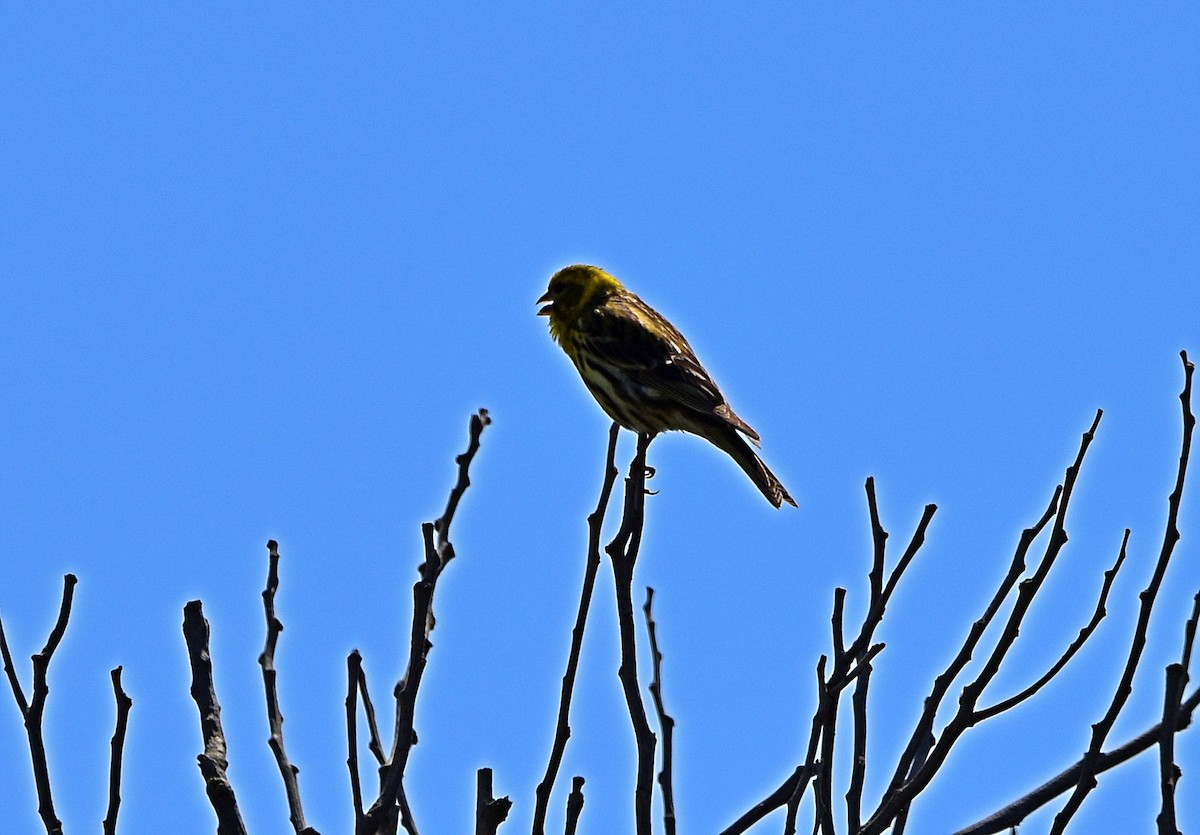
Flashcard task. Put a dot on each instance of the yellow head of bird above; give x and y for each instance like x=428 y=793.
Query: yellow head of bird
x=574 y=289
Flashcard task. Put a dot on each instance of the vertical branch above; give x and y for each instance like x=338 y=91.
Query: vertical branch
x=1177 y=680
x=562 y=729
x=490 y=812
x=574 y=805
x=1169 y=772
x=266 y=660
x=438 y=554
x=124 y=703
x=213 y=761
x=665 y=722
x=353 y=661
x=623 y=551
x=858 y=767
x=1100 y=731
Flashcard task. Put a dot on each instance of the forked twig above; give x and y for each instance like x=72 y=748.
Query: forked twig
x=1086 y=632
x=33 y=710
x=852 y=665
x=924 y=754
x=1015 y=812
x=438 y=552
x=1100 y=731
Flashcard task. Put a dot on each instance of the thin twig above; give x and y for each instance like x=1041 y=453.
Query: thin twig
x=665 y=722
x=10 y=671
x=1087 y=776
x=266 y=660
x=438 y=553
x=1177 y=681
x=124 y=703
x=375 y=743
x=213 y=761
x=623 y=551
x=574 y=805
x=562 y=728
x=1086 y=632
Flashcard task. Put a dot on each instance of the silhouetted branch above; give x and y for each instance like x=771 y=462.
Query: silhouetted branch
x=924 y=754
x=1084 y=633
x=124 y=703
x=213 y=761
x=266 y=660
x=1177 y=680
x=353 y=661
x=851 y=665
x=1087 y=775
x=438 y=553
x=1015 y=812
x=623 y=551
x=562 y=729
x=1169 y=772
x=574 y=803
x=490 y=812
x=33 y=710
x=665 y=722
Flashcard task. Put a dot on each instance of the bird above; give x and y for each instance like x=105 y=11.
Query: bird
x=642 y=371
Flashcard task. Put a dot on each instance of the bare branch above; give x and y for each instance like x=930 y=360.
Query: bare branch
x=10 y=671
x=921 y=759
x=437 y=555
x=562 y=730
x=623 y=551
x=353 y=661
x=1169 y=773
x=574 y=805
x=665 y=722
x=850 y=666
x=375 y=744
x=1087 y=776
x=1189 y=632
x=213 y=761
x=266 y=660
x=1076 y=645
x=124 y=703
x=1015 y=812
x=489 y=811
x=36 y=708
x=858 y=766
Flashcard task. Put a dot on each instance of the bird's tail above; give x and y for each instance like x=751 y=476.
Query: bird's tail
x=728 y=439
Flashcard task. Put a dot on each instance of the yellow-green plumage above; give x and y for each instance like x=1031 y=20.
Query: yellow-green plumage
x=642 y=371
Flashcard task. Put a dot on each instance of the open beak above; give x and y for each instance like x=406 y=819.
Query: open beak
x=545 y=311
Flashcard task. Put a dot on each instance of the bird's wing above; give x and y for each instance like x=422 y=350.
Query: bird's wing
x=642 y=344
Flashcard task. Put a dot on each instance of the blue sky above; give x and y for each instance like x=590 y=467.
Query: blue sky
x=261 y=265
